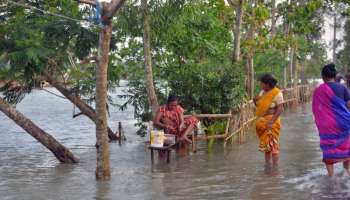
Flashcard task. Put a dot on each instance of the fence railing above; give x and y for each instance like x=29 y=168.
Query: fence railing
x=239 y=120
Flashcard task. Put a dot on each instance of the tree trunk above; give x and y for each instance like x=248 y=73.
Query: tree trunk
x=249 y=59
x=285 y=79
x=251 y=76
x=83 y=107
x=102 y=168
x=152 y=97
x=291 y=64
x=237 y=32
x=334 y=37
x=295 y=69
x=286 y=30
x=302 y=74
x=273 y=18
x=61 y=152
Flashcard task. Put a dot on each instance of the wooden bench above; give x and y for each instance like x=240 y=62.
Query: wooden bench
x=193 y=136
x=166 y=149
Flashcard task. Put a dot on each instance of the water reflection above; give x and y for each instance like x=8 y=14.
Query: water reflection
x=102 y=190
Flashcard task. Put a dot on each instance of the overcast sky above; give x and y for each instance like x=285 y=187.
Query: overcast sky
x=328 y=34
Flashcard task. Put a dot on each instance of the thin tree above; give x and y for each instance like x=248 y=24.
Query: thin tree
x=335 y=25
x=108 y=11
x=273 y=18
x=152 y=97
x=249 y=57
x=237 y=29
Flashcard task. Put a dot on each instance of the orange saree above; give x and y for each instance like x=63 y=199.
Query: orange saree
x=269 y=138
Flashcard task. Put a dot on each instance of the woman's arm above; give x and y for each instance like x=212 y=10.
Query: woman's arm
x=347 y=97
x=256 y=99
x=277 y=114
x=157 y=120
x=182 y=121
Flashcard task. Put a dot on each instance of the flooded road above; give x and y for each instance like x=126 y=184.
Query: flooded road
x=29 y=171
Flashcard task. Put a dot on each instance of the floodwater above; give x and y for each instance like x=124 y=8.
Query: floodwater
x=29 y=171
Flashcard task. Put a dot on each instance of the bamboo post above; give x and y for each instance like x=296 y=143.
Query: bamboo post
x=194 y=148
x=227 y=125
x=120 y=129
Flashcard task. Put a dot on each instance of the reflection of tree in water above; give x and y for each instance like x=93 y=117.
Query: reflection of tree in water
x=102 y=190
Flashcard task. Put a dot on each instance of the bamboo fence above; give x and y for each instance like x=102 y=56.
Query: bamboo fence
x=239 y=120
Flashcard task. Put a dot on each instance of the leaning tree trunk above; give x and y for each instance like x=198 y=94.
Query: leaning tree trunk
x=83 y=107
x=237 y=32
x=61 y=152
x=152 y=97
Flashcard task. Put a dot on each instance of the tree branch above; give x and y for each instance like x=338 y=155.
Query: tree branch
x=87 y=60
x=78 y=114
x=113 y=7
x=89 y=2
x=233 y=4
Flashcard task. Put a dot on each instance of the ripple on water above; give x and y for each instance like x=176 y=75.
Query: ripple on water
x=319 y=185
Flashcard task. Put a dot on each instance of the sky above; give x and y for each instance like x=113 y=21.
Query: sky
x=328 y=34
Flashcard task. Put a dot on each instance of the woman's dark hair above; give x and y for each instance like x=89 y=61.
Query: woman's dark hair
x=338 y=78
x=171 y=98
x=269 y=80
x=329 y=71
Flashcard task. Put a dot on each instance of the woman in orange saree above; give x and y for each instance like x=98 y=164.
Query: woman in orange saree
x=268 y=124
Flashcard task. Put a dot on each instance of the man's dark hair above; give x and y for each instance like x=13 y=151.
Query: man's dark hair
x=172 y=98
x=269 y=80
x=329 y=71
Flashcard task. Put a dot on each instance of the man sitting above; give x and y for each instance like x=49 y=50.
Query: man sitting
x=170 y=118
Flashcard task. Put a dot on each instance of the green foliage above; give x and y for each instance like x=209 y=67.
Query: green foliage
x=191 y=44
x=191 y=57
x=34 y=42
x=216 y=128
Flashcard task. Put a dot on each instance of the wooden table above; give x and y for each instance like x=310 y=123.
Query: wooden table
x=166 y=149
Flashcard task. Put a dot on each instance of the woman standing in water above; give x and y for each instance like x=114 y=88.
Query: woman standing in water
x=268 y=124
x=330 y=106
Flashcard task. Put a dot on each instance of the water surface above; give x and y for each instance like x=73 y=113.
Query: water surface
x=29 y=171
